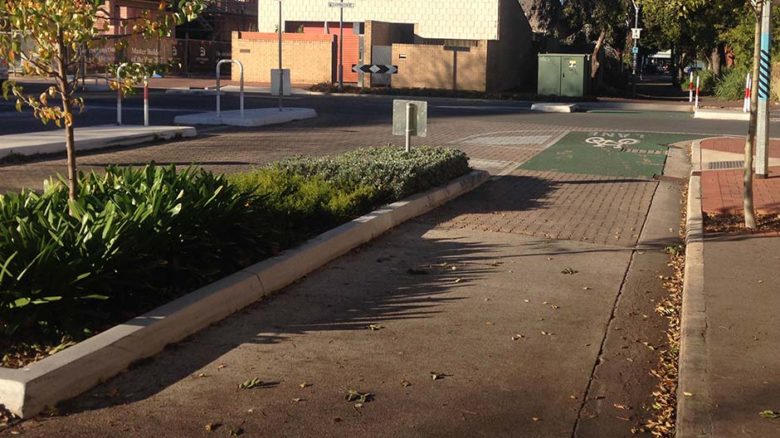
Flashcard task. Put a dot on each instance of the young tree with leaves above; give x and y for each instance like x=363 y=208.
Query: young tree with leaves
x=58 y=30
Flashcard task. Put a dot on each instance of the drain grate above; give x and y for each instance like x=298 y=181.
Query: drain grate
x=725 y=165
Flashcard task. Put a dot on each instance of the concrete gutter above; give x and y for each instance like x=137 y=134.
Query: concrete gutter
x=88 y=138
x=636 y=106
x=693 y=395
x=27 y=391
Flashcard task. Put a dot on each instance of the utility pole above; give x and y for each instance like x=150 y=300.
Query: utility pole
x=764 y=88
x=341 y=6
x=281 y=72
x=635 y=35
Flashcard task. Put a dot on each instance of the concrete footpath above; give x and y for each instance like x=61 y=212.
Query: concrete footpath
x=91 y=137
x=733 y=356
x=525 y=308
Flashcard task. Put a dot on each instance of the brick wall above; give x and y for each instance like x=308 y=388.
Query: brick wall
x=511 y=63
x=430 y=66
x=310 y=58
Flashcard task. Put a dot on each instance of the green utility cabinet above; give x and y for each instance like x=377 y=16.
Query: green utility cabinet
x=562 y=74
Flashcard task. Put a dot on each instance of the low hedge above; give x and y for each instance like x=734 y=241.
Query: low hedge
x=137 y=238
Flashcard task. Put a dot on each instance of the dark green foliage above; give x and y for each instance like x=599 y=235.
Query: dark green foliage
x=391 y=172
x=301 y=205
x=131 y=236
x=732 y=85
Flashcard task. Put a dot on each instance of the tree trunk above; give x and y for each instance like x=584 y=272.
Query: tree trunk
x=594 y=58
x=750 y=142
x=67 y=109
x=715 y=61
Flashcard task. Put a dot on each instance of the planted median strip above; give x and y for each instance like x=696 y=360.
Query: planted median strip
x=137 y=239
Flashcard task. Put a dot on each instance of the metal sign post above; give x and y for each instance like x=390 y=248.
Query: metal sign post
x=281 y=79
x=410 y=119
x=636 y=32
x=764 y=88
x=341 y=6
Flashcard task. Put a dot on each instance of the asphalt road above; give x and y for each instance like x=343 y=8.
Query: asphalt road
x=362 y=110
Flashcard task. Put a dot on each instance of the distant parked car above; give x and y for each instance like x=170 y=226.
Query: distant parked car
x=696 y=66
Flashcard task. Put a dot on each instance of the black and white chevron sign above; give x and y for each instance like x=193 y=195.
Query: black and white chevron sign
x=375 y=68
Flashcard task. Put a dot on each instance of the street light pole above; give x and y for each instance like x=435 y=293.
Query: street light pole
x=636 y=26
x=341 y=5
x=281 y=72
x=341 y=49
x=764 y=88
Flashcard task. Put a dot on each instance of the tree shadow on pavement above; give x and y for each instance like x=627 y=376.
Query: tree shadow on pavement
x=404 y=275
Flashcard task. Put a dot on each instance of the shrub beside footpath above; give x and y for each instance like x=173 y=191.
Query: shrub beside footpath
x=138 y=238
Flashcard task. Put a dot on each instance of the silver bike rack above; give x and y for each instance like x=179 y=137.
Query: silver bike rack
x=119 y=95
x=241 y=68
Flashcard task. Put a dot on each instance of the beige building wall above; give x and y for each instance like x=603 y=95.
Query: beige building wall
x=310 y=59
x=430 y=66
x=434 y=19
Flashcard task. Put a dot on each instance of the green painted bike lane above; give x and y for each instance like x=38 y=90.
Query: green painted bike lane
x=605 y=153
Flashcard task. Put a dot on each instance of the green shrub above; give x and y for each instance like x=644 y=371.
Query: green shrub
x=732 y=85
x=304 y=203
x=133 y=240
x=393 y=173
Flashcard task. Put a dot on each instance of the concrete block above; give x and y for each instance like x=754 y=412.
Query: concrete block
x=251 y=117
x=720 y=114
x=555 y=107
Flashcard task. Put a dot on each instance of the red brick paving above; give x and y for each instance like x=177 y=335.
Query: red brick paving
x=722 y=192
x=737 y=145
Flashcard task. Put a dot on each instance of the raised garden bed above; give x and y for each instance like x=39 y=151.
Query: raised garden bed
x=76 y=368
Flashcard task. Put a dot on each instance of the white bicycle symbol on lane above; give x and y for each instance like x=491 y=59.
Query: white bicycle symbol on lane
x=601 y=142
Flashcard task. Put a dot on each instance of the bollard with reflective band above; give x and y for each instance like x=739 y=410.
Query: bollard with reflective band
x=118 y=104
x=146 y=101
x=690 y=87
x=241 y=87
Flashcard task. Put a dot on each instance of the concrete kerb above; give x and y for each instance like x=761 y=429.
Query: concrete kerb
x=693 y=396
x=719 y=114
x=27 y=391
x=90 y=138
x=251 y=117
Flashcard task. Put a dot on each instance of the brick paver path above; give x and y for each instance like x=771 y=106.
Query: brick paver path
x=736 y=145
x=722 y=192
x=597 y=209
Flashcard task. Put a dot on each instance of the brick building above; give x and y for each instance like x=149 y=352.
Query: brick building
x=467 y=45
